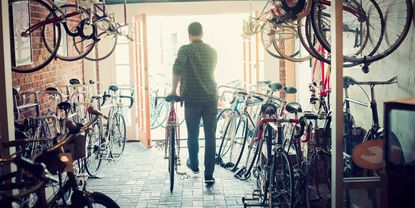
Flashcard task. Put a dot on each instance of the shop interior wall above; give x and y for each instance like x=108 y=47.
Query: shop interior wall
x=56 y=73
x=400 y=63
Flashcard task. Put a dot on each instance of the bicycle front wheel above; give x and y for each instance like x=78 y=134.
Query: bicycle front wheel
x=71 y=40
x=97 y=199
x=172 y=157
x=281 y=181
x=29 y=53
x=117 y=135
x=93 y=152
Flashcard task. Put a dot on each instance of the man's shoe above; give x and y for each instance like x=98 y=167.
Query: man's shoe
x=194 y=170
x=209 y=180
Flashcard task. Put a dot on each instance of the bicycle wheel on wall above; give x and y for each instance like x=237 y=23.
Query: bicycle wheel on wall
x=74 y=28
x=28 y=50
x=107 y=41
x=117 y=135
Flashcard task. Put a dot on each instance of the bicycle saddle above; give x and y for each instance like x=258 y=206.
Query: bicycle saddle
x=64 y=106
x=267 y=82
x=113 y=88
x=275 y=86
x=52 y=89
x=74 y=81
x=269 y=108
x=293 y=107
x=290 y=90
x=174 y=98
x=348 y=80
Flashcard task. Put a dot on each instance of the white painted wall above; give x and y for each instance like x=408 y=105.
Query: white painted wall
x=400 y=63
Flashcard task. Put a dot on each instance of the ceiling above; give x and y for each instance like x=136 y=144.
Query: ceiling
x=158 y=1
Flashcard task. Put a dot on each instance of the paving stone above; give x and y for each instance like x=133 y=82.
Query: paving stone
x=140 y=179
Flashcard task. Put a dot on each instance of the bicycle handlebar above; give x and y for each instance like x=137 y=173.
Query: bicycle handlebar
x=351 y=81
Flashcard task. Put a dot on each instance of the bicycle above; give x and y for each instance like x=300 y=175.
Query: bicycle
x=373 y=137
x=35 y=176
x=107 y=141
x=44 y=29
x=272 y=168
x=172 y=141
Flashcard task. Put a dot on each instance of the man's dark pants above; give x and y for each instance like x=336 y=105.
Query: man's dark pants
x=193 y=113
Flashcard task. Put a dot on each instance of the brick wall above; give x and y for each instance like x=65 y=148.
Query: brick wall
x=57 y=73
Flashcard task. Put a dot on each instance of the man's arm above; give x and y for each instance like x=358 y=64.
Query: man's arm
x=178 y=69
x=175 y=83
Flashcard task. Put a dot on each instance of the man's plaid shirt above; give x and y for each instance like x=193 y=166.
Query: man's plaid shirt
x=196 y=63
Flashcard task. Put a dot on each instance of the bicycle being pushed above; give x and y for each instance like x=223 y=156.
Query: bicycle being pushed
x=172 y=141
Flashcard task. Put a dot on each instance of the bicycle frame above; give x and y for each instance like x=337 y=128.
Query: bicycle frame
x=172 y=123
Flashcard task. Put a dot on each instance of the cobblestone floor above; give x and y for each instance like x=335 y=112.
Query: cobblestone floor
x=140 y=179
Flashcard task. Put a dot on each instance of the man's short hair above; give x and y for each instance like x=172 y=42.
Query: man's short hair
x=195 y=29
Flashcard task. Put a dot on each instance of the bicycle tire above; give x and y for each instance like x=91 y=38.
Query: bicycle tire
x=37 y=53
x=291 y=57
x=113 y=41
x=226 y=143
x=279 y=163
x=261 y=167
x=221 y=119
x=266 y=41
x=244 y=138
x=75 y=38
x=118 y=140
x=309 y=30
x=98 y=198
x=172 y=158
x=256 y=146
x=93 y=153
x=374 y=55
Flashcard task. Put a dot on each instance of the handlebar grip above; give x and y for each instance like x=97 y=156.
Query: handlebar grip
x=131 y=100
x=258 y=98
x=104 y=97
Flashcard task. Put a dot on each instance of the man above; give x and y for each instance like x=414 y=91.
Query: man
x=194 y=70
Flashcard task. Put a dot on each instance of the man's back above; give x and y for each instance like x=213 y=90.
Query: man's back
x=196 y=63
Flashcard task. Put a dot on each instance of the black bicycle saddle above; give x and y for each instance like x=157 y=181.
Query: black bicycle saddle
x=113 y=88
x=174 y=98
x=290 y=90
x=74 y=81
x=293 y=107
x=64 y=106
x=275 y=86
x=51 y=89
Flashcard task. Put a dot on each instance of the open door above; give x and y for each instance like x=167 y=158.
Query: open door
x=141 y=79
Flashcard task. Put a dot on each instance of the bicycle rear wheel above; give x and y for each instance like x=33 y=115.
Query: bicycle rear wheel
x=172 y=157
x=95 y=199
x=281 y=181
x=93 y=153
x=108 y=39
x=117 y=135
x=31 y=33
